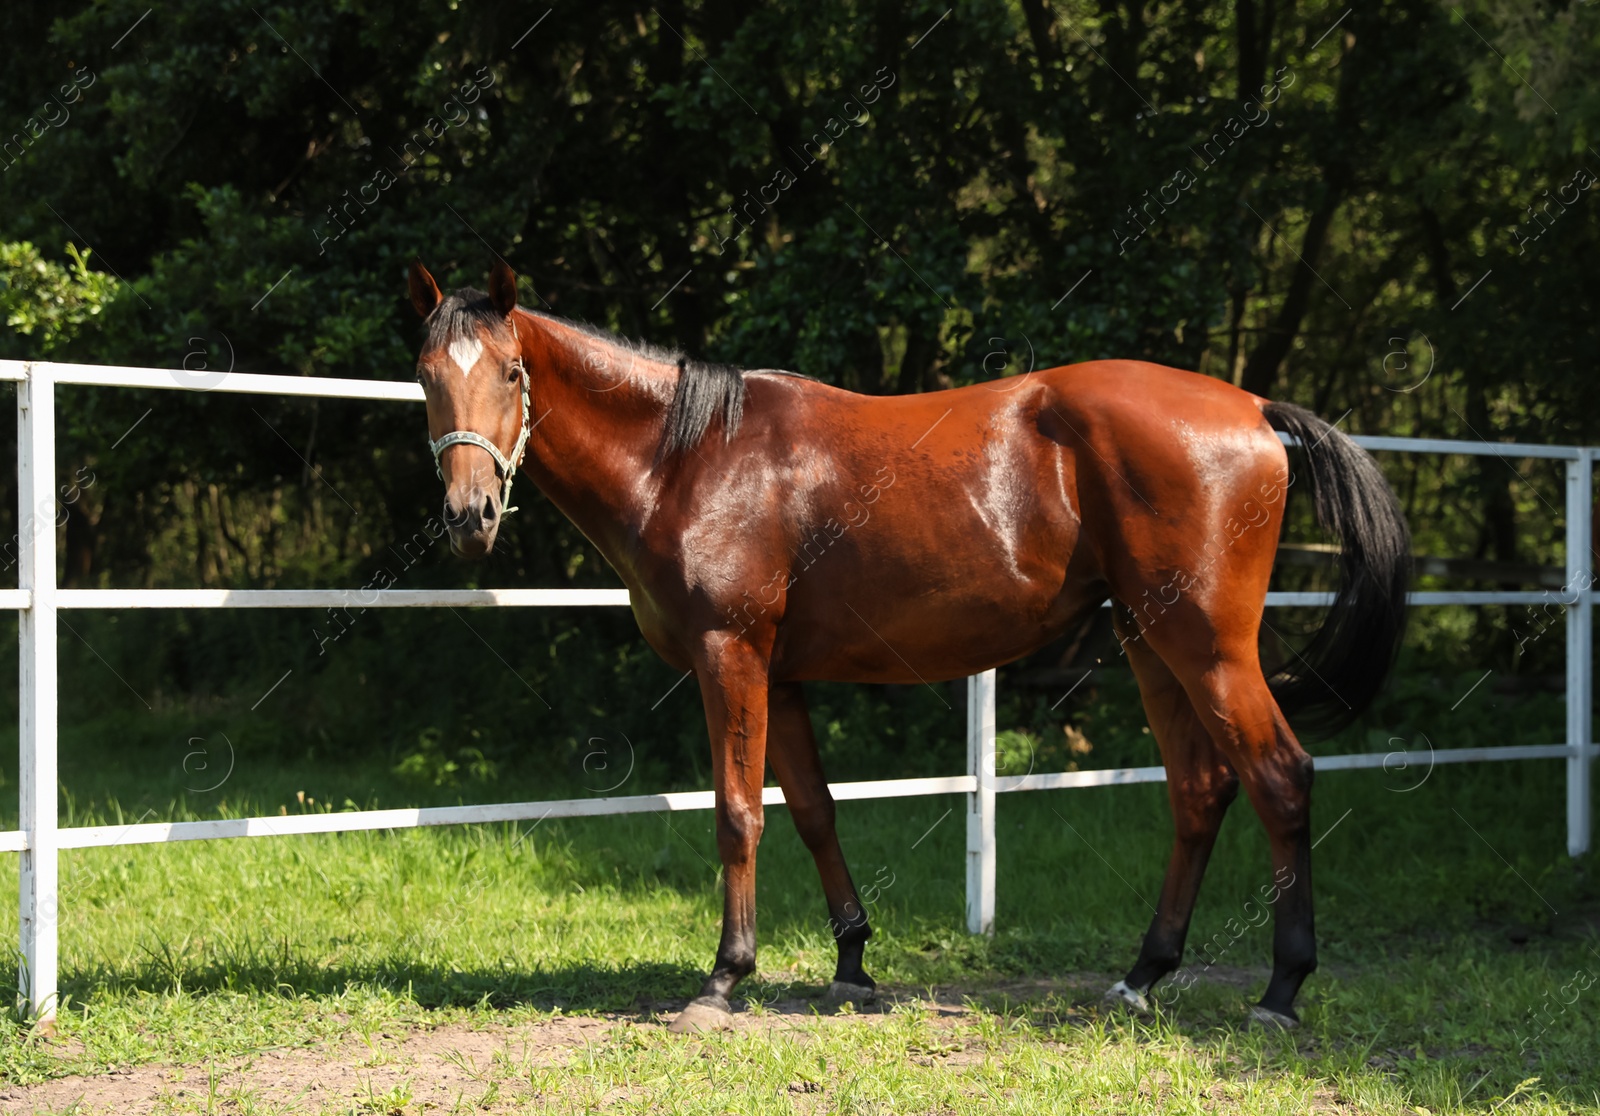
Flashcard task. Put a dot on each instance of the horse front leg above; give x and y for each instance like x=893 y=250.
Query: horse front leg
x=799 y=769
x=733 y=685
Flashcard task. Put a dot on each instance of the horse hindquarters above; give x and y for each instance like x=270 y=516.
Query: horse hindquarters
x=1208 y=640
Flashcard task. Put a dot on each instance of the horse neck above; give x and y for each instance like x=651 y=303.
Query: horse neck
x=598 y=412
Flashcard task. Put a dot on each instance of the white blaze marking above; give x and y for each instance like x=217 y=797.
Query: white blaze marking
x=465 y=352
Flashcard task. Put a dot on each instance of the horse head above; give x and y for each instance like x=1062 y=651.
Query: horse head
x=472 y=371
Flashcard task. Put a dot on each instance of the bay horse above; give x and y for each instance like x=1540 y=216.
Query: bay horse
x=773 y=530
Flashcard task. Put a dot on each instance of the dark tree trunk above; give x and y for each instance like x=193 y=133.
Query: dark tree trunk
x=1041 y=29
x=1261 y=370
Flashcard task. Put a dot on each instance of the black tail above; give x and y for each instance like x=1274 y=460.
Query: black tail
x=1334 y=678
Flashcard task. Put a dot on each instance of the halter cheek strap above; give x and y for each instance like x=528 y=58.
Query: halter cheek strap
x=505 y=467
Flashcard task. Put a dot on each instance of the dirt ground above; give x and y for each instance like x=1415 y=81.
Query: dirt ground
x=447 y=1068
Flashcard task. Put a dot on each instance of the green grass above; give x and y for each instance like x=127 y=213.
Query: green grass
x=1436 y=953
x=1453 y=927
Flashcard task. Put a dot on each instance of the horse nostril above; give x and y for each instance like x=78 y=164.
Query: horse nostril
x=451 y=519
x=488 y=509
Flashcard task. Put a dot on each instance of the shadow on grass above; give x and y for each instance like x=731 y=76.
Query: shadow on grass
x=575 y=987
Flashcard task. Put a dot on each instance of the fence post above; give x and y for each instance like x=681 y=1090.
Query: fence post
x=980 y=803
x=36 y=695
x=1580 y=650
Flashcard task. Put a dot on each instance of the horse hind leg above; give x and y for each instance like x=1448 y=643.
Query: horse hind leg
x=1200 y=787
x=1280 y=790
x=1231 y=696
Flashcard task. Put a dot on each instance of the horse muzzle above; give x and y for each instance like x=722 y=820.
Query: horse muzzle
x=472 y=516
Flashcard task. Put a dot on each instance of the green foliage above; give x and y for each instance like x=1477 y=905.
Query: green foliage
x=46 y=304
x=898 y=208
x=428 y=765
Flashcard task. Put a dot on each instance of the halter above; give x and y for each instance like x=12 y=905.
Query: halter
x=505 y=467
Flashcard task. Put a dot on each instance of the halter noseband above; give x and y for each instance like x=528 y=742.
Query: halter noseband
x=505 y=466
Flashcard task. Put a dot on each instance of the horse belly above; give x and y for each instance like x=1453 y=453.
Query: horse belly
x=923 y=617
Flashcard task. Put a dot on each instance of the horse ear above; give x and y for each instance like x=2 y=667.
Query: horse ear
x=424 y=291
x=503 y=287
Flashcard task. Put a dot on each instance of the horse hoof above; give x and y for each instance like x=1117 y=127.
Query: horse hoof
x=1272 y=1020
x=705 y=1014
x=843 y=992
x=1125 y=995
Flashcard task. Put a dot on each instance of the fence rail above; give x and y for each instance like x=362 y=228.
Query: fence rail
x=39 y=838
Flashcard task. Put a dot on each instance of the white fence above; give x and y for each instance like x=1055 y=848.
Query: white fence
x=39 y=839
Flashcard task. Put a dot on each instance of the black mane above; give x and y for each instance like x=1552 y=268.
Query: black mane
x=705 y=389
